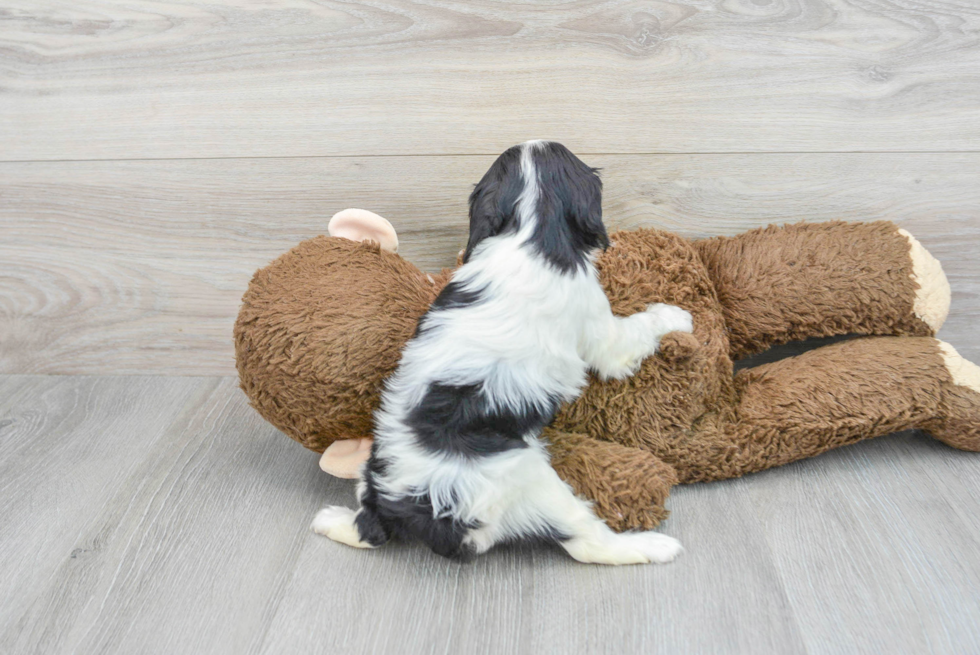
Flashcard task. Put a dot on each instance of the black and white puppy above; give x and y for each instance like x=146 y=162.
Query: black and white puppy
x=457 y=459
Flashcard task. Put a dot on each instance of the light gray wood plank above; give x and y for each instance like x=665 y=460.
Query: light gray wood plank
x=721 y=596
x=139 y=267
x=142 y=79
x=162 y=515
x=66 y=449
x=877 y=546
x=190 y=550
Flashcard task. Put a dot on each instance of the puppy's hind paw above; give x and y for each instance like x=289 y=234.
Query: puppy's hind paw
x=657 y=548
x=628 y=548
x=337 y=523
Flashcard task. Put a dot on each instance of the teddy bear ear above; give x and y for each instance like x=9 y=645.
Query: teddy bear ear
x=362 y=225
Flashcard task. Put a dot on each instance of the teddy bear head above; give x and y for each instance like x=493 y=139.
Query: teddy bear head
x=322 y=326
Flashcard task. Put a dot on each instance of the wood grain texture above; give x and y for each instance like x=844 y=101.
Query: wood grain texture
x=183 y=551
x=68 y=448
x=139 y=267
x=162 y=79
x=162 y=515
x=880 y=544
x=725 y=598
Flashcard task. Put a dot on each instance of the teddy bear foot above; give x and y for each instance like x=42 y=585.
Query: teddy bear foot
x=960 y=428
x=343 y=458
x=933 y=296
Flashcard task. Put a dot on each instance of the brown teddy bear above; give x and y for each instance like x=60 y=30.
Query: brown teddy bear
x=322 y=327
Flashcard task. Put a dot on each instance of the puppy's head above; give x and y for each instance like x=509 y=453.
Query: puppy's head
x=541 y=183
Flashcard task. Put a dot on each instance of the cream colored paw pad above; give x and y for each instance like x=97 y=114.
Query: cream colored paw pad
x=964 y=372
x=932 y=299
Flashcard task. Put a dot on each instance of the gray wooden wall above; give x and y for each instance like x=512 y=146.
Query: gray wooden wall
x=154 y=154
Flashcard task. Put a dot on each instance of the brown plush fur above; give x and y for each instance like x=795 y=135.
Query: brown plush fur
x=595 y=470
x=319 y=330
x=322 y=326
x=781 y=284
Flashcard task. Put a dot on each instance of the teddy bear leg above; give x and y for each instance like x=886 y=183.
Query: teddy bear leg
x=959 y=426
x=782 y=284
x=840 y=394
x=627 y=486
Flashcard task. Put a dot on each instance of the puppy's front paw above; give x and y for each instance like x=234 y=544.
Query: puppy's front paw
x=670 y=318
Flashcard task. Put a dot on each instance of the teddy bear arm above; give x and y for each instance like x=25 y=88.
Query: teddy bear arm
x=791 y=283
x=627 y=486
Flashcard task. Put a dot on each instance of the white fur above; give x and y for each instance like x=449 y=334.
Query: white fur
x=338 y=524
x=533 y=337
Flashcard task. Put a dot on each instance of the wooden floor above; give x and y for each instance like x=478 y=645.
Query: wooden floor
x=162 y=515
x=154 y=153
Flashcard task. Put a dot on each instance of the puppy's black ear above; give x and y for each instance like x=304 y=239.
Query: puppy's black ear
x=493 y=203
x=486 y=219
x=585 y=212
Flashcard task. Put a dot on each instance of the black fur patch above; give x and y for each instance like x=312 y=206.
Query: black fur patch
x=413 y=518
x=454 y=296
x=493 y=203
x=380 y=518
x=371 y=527
x=460 y=420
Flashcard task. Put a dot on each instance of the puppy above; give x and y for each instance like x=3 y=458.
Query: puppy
x=457 y=459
